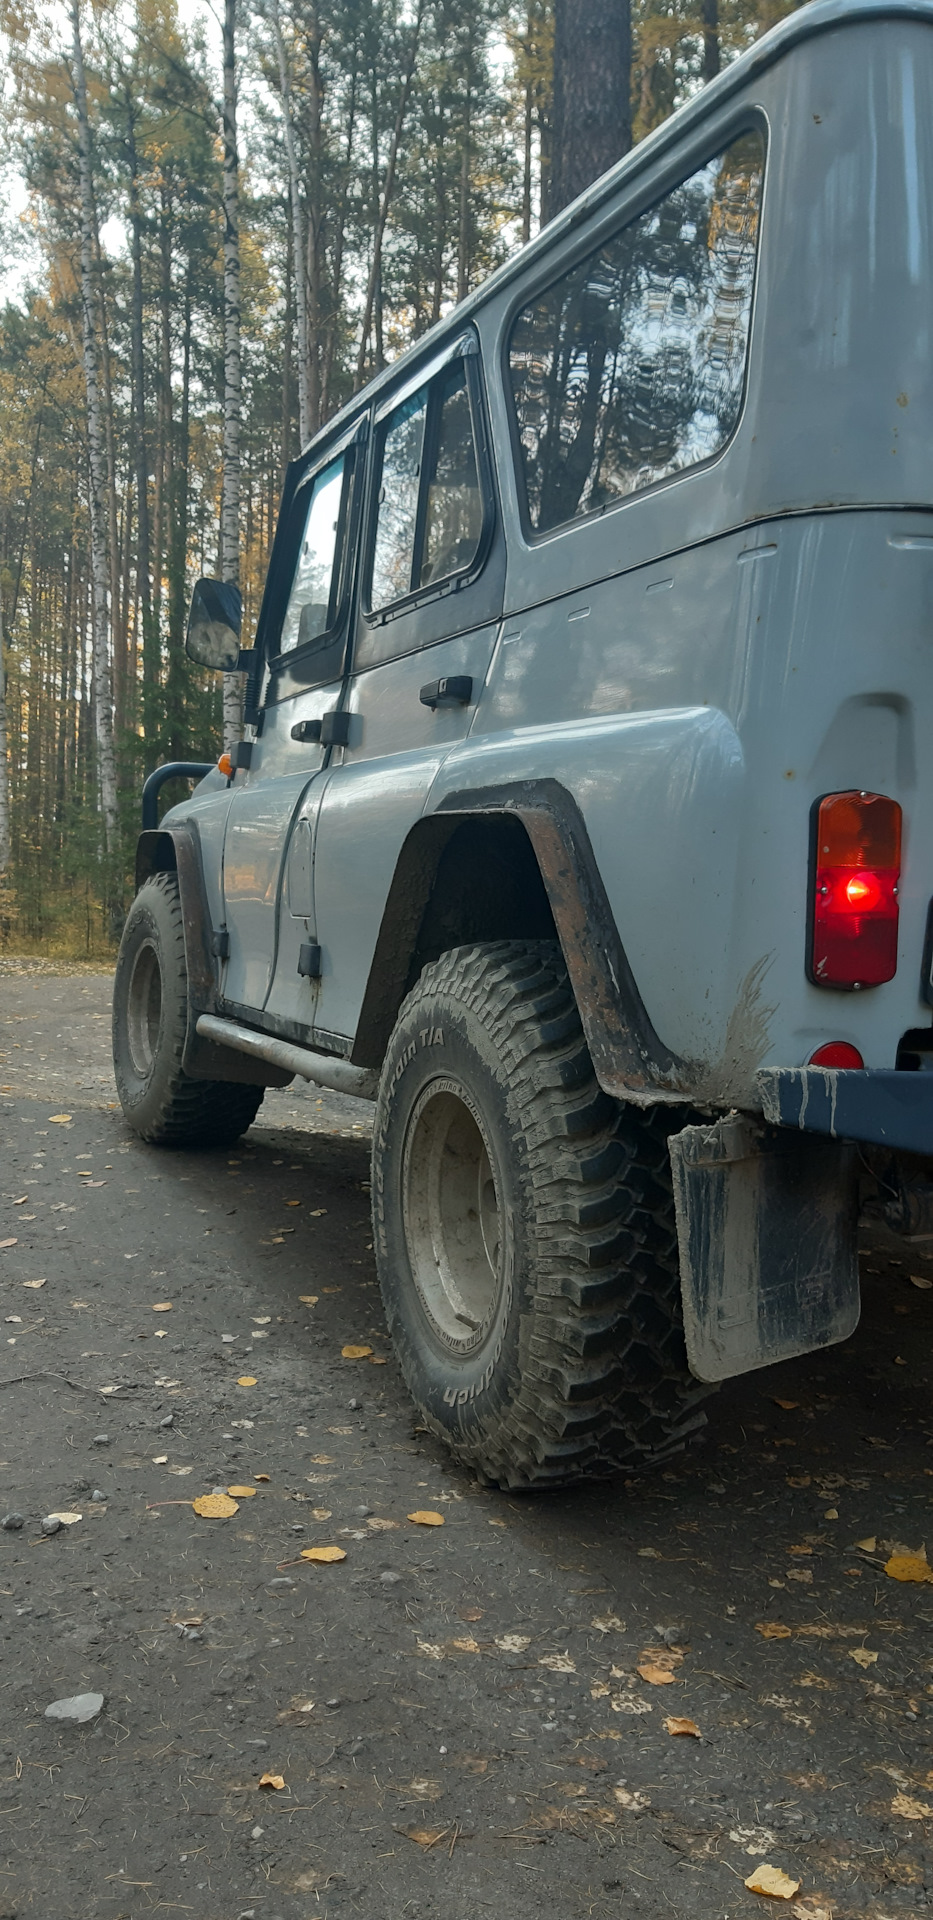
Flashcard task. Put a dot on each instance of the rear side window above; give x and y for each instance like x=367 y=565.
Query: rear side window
x=311 y=612
x=429 y=507
x=632 y=366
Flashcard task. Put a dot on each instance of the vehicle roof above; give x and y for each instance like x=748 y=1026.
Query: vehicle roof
x=817 y=17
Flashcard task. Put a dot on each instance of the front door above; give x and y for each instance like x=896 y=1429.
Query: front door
x=431 y=595
x=303 y=634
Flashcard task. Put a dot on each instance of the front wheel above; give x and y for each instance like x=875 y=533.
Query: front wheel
x=150 y=1016
x=524 y=1229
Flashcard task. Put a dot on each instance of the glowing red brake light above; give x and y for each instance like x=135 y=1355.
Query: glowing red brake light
x=857 y=864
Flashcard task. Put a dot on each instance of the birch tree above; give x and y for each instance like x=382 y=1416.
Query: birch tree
x=98 y=503
x=230 y=490
x=298 y=232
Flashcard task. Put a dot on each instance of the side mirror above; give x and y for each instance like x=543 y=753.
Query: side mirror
x=213 y=636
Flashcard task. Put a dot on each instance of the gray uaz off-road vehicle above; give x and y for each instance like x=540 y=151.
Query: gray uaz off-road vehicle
x=583 y=817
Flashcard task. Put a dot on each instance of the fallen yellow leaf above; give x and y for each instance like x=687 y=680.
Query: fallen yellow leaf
x=772 y=1630
x=293 y=1203
x=308 y=1299
x=800 y=1549
x=8 y=1243
x=425 y=1836
x=425 y=1518
x=262 y=1476
x=514 y=1643
x=68 y=1519
x=869 y=1545
x=772 y=1882
x=790 y=1406
x=273 y=1780
x=162 y=1306
x=468 y=1645
x=378 y=1360
x=911 y=1809
x=909 y=1566
x=215 y=1506
x=356 y=1353
x=34 y=1283
x=242 y=1493
x=323 y=1556
x=862 y=1657
x=656 y=1676
x=320 y=1513
x=247 y=1380
x=920 y=1280
x=674 y=1724
x=60 y=1119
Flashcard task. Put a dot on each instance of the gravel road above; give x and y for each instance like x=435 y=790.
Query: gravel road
x=457 y=1718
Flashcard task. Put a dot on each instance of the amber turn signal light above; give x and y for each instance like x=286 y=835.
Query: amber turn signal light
x=225 y=766
x=856 y=869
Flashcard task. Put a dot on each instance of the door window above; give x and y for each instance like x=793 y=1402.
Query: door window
x=311 y=612
x=631 y=367
x=430 y=512
x=397 y=516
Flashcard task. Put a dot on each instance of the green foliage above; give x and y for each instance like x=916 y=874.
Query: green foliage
x=473 y=145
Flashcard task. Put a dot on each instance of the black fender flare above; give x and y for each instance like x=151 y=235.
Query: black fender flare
x=629 y=1059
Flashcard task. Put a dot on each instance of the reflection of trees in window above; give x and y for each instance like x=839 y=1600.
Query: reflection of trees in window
x=398 y=501
x=631 y=367
x=429 y=517
x=310 y=611
x=454 y=514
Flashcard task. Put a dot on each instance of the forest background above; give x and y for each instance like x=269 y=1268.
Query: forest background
x=215 y=225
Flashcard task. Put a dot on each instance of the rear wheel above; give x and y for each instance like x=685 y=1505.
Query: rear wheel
x=524 y=1229
x=150 y=1015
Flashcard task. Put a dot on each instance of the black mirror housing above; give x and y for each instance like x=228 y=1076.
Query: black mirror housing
x=214 y=621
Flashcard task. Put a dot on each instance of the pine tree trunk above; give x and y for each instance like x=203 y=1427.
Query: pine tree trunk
x=230 y=498
x=375 y=270
x=298 y=239
x=592 y=121
x=97 y=457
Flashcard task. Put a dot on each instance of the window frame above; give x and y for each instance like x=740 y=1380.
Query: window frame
x=676 y=173
x=466 y=349
x=351 y=447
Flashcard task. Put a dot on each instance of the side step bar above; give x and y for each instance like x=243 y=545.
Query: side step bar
x=322 y=1068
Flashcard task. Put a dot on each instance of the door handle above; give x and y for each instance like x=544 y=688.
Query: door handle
x=454 y=691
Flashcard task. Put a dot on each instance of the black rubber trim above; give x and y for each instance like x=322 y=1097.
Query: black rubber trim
x=626 y=1051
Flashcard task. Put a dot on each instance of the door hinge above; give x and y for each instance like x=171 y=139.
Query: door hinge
x=309 y=960
x=455 y=691
x=335 y=729
x=306 y=730
x=241 y=755
x=220 y=944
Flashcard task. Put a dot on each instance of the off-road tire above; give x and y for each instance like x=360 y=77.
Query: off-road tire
x=572 y=1361
x=150 y=1015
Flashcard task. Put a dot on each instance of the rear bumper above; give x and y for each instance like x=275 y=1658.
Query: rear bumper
x=879 y=1106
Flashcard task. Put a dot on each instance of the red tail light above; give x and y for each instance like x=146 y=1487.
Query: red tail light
x=857 y=865
x=836 y=1053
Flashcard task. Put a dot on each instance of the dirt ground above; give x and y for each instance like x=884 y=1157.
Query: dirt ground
x=455 y=1716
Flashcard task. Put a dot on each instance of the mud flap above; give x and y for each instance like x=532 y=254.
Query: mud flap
x=766 y=1222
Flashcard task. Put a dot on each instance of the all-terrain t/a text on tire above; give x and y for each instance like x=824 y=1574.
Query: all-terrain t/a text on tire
x=524 y=1228
x=150 y=1014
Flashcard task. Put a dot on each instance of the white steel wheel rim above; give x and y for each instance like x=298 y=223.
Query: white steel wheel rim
x=451 y=1211
x=144 y=1009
